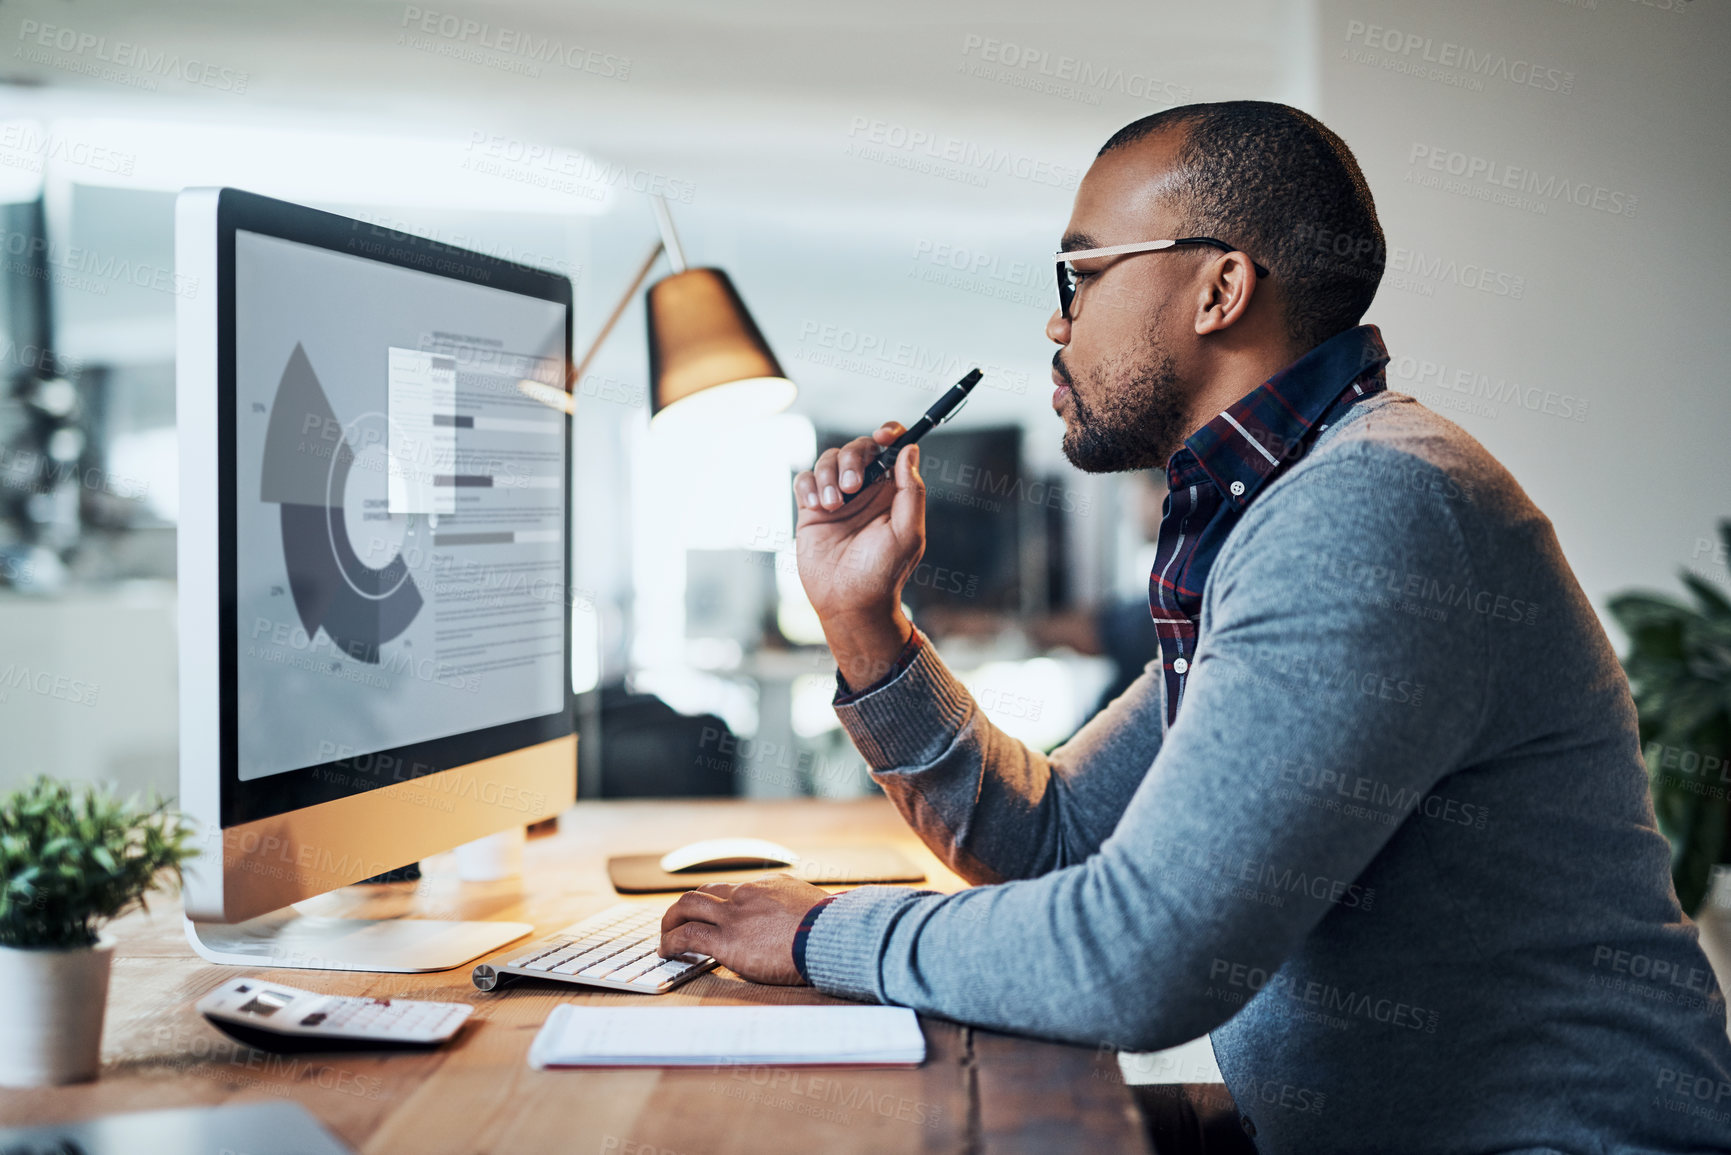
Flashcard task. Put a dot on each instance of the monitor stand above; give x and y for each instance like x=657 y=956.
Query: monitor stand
x=287 y=938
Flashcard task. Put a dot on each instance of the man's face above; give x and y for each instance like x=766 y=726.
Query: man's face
x=1121 y=386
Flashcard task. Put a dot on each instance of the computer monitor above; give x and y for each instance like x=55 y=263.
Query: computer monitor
x=374 y=549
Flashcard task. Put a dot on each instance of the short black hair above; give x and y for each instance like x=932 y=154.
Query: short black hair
x=1280 y=186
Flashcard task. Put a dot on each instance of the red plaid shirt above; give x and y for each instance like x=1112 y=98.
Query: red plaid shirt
x=1213 y=479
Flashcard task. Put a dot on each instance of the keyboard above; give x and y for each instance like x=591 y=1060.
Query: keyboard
x=614 y=949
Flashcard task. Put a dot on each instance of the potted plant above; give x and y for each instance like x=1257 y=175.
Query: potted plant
x=70 y=860
x=1679 y=667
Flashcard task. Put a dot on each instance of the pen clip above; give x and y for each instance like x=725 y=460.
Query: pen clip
x=946 y=418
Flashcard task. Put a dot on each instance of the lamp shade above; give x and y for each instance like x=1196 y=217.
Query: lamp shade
x=703 y=341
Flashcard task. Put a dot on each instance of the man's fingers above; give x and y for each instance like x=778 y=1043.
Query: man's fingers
x=851 y=462
x=908 y=512
x=805 y=490
x=693 y=906
x=888 y=432
x=824 y=474
x=691 y=938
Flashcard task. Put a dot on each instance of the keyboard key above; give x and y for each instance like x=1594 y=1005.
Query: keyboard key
x=652 y=979
x=640 y=967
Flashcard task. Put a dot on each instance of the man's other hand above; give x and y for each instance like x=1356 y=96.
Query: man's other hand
x=748 y=926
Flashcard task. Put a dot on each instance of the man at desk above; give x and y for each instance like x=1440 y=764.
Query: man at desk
x=1379 y=824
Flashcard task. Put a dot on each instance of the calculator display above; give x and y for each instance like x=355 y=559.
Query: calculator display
x=265 y=1004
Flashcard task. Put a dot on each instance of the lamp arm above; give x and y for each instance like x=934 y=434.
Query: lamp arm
x=613 y=317
x=669 y=238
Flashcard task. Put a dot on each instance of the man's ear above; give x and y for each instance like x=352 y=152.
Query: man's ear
x=1228 y=284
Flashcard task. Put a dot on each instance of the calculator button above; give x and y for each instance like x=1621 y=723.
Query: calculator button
x=313 y=1019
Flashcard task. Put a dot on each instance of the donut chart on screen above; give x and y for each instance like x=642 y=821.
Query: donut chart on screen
x=330 y=481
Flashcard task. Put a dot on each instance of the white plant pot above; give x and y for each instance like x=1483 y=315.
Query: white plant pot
x=51 y=1008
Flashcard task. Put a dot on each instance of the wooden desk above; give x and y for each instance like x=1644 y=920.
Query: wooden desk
x=978 y=1090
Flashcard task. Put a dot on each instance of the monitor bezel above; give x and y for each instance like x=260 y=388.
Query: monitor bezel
x=282 y=793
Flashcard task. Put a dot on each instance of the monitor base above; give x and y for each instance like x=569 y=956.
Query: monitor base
x=288 y=939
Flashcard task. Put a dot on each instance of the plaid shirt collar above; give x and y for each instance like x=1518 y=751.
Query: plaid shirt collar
x=1225 y=464
x=1247 y=443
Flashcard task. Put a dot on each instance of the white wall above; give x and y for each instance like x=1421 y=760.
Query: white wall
x=1621 y=315
x=87 y=688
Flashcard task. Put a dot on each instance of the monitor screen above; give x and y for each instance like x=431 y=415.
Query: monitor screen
x=400 y=514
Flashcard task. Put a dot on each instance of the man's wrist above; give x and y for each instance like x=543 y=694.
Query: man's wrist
x=867 y=647
x=804 y=932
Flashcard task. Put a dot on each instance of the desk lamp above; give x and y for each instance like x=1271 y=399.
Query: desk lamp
x=704 y=348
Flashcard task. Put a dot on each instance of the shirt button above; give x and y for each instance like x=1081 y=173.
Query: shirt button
x=1179 y=666
x=1245 y=1122
x=1237 y=488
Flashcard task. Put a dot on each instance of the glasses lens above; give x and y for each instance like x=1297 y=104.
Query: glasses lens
x=1066 y=288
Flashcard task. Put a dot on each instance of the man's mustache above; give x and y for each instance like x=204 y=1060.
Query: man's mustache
x=1059 y=368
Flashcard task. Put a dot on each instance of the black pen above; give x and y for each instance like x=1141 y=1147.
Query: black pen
x=945 y=409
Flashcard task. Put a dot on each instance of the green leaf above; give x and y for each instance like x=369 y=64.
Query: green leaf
x=75 y=857
x=1713 y=603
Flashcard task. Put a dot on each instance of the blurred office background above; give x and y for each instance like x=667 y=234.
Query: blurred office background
x=885 y=183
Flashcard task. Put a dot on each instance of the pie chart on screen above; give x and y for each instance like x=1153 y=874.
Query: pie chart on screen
x=342 y=547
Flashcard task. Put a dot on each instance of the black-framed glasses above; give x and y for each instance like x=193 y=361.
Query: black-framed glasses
x=1068 y=281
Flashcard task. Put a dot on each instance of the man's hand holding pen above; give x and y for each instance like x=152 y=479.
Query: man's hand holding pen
x=856 y=555
x=854 y=558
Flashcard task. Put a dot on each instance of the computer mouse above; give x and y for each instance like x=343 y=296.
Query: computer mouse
x=728 y=854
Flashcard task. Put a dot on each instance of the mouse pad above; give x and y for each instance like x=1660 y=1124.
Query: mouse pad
x=820 y=865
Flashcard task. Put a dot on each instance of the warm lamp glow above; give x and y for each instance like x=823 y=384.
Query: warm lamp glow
x=704 y=346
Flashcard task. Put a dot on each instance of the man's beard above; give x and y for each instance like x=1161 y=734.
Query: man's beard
x=1137 y=421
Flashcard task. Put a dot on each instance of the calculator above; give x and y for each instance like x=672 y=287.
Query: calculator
x=275 y=1017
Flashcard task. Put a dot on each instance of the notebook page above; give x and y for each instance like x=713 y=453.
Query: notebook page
x=678 y=1036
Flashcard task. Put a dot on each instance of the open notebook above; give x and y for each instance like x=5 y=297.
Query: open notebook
x=590 y=1036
